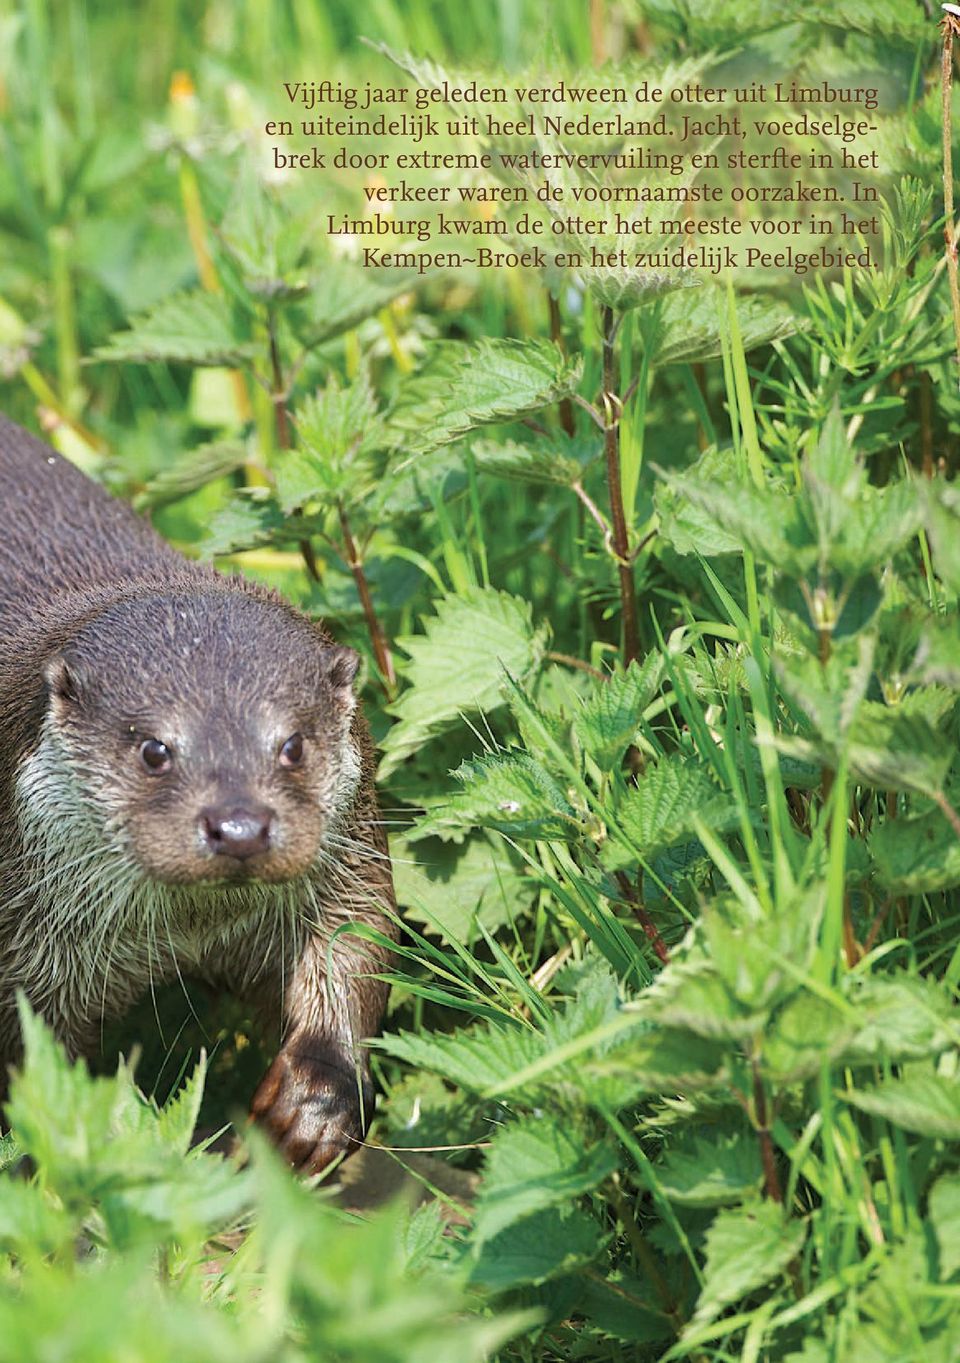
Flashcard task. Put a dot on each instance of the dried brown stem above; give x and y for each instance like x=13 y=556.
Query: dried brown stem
x=569 y=660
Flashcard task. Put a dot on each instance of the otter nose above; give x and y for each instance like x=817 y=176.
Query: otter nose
x=240 y=832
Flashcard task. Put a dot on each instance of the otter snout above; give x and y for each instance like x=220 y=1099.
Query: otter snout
x=240 y=831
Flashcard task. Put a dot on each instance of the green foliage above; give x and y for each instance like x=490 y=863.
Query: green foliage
x=117 y=1191
x=463 y=387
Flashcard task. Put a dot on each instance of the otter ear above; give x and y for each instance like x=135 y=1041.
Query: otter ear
x=341 y=665
x=63 y=680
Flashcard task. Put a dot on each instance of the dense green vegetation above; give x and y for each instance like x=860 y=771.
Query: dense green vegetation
x=657 y=592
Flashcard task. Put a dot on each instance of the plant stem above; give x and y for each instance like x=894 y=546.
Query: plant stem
x=568 y=660
x=642 y=915
x=948 y=811
x=611 y=444
x=282 y=420
x=567 y=420
x=197 y=232
x=378 y=640
x=948 y=27
x=771 y=1176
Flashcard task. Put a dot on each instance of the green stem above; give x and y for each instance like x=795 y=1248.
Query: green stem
x=611 y=445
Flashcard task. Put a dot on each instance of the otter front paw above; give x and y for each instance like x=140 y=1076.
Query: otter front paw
x=313 y=1108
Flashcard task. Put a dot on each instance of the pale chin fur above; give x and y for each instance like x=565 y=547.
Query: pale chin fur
x=94 y=932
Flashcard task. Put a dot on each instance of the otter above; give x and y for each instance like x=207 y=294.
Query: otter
x=186 y=787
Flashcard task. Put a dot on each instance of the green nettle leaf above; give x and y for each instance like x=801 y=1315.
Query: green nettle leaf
x=837 y=523
x=178 y=1119
x=688 y=329
x=937 y=660
x=337 y=427
x=190 y=471
x=558 y=461
x=740 y=515
x=745 y=1249
x=664 y=807
x=943 y=1206
x=900 y=746
x=538 y=1248
x=876 y=1021
x=829 y=695
x=610 y=717
x=943 y=521
x=654 y=1060
x=459 y=665
x=916 y=856
x=346 y=295
x=622 y=1307
x=688 y=525
x=511 y=793
x=712 y=1170
x=195 y=327
x=456 y=890
x=248 y=520
x=463 y=387
x=30 y=1221
x=477 y=1058
x=924 y=1102
x=534 y=1164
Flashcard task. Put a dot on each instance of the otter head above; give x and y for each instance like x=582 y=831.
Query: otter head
x=208 y=736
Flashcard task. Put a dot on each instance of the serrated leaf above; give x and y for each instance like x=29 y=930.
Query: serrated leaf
x=654 y=1060
x=540 y=1247
x=712 y=1171
x=195 y=327
x=943 y=522
x=510 y=793
x=689 y=526
x=740 y=515
x=663 y=808
x=621 y=1307
x=891 y=1019
x=346 y=295
x=190 y=471
x=336 y=427
x=611 y=716
x=745 y=1249
x=916 y=856
x=463 y=387
x=178 y=1118
x=899 y=746
x=245 y=522
x=928 y=1104
x=454 y=890
x=30 y=1221
x=556 y=462
x=534 y=1164
x=477 y=1058
x=937 y=660
x=688 y=327
x=459 y=665
x=943 y=1205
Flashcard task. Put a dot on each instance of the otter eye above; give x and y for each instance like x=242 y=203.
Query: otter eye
x=155 y=756
x=291 y=754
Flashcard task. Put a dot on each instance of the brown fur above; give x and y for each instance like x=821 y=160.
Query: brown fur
x=108 y=637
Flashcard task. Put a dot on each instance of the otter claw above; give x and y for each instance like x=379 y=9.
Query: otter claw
x=314 y=1110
